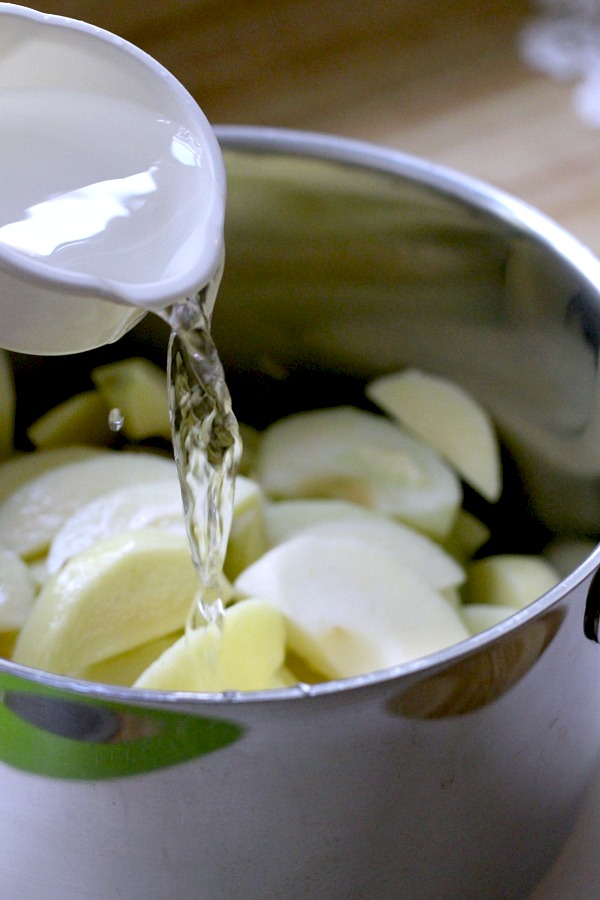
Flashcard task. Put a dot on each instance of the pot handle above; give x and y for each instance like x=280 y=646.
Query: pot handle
x=591 y=616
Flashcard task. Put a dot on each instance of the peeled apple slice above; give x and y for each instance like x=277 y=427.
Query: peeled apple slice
x=285 y=518
x=128 y=508
x=468 y=535
x=509 y=580
x=246 y=654
x=353 y=455
x=119 y=594
x=250 y=443
x=38 y=572
x=22 y=468
x=481 y=616
x=125 y=668
x=7 y=643
x=138 y=388
x=7 y=405
x=82 y=419
x=448 y=419
x=282 y=678
x=406 y=545
x=17 y=590
x=33 y=514
x=452 y=596
x=248 y=533
x=350 y=607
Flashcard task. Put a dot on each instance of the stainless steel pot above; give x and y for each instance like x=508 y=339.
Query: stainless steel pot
x=456 y=776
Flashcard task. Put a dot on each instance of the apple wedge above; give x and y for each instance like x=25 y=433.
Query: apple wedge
x=17 y=590
x=282 y=678
x=125 y=668
x=138 y=388
x=350 y=607
x=481 y=616
x=7 y=405
x=448 y=419
x=38 y=571
x=248 y=534
x=118 y=595
x=8 y=640
x=245 y=654
x=509 y=579
x=128 y=508
x=21 y=468
x=250 y=442
x=32 y=515
x=407 y=546
x=285 y=518
x=353 y=455
x=468 y=535
x=82 y=419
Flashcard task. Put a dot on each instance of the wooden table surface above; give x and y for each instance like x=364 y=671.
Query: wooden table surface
x=439 y=78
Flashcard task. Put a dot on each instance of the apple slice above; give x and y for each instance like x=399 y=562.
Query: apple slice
x=448 y=419
x=350 y=607
x=285 y=518
x=453 y=596
x=250 y=442
x=8 y=640
x=138 y=388
x=82 y=419
x=31 y=516
x=125 y=668
x=509 y=580
x=7 y=405
x=301 y=671
x=38 y=571
x=128 y=508
x=468 y=535
x=406 y=545
x=353 y=455
x=17 y=590
x=245 y=654
x=119 y=594
x=481 y=616
x=282 y=678
x=248 y=533
x=19 y=469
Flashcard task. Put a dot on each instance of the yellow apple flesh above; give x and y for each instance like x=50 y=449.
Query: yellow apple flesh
x=121 y=593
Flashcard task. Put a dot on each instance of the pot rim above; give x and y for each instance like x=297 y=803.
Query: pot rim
x=476 y=194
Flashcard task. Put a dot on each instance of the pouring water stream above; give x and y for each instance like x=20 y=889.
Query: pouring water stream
x=112 y=204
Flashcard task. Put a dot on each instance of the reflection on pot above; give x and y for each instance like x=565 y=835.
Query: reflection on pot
x=51 y=734
x=480 y=679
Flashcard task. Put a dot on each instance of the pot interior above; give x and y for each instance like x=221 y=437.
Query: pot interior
x=337 y=272
x=341 y=269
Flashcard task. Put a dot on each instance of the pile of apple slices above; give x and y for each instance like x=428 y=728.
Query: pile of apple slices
x=349 y=550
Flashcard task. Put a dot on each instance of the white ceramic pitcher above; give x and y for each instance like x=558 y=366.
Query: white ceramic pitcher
x=112 y=186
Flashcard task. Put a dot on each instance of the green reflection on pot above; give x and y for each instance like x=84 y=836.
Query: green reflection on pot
x=47 y=732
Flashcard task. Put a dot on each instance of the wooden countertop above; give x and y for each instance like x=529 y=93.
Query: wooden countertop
x=438 y=78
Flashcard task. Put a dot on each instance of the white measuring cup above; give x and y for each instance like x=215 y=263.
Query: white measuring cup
x=112 y=186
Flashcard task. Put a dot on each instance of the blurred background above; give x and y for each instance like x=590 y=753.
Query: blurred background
x=443 y=79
